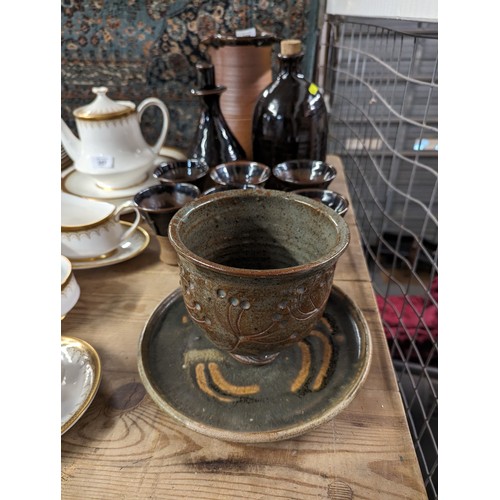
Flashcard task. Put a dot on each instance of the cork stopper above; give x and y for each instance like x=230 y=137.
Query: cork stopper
x=290 y=47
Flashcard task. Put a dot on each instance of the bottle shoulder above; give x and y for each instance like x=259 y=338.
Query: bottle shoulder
x=287 y=81
x=290 y=99
x=291 y=87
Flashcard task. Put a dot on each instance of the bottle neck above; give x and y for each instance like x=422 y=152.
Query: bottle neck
x=211 y=103
x=289 y=64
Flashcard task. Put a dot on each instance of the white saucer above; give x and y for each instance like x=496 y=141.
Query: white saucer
x=173 y=153
x=134 y=245
x=80 y=379
x=80 y=184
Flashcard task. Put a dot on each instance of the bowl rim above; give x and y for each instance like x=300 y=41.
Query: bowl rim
x=179 y=219
x=171 y=187
x=161 y=169
x=344 y=199
x=319 y=190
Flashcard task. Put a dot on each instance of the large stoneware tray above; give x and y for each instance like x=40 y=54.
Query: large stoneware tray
x=211 y=393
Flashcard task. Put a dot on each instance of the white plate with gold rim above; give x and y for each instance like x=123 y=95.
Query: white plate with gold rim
x=80 y=184
x=83 y=185
x=80 y=379
x=131 y=247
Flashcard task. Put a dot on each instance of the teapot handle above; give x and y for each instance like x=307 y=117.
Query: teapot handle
x=154 y=101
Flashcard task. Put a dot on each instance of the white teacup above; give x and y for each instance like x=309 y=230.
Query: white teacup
x=92 y=229
x=70 y=290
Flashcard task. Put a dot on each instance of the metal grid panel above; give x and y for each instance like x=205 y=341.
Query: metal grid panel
x=380 y=80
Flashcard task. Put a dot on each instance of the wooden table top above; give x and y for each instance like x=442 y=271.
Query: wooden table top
x=125 y=447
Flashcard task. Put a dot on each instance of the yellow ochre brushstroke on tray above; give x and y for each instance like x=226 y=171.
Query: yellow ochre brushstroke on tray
x=203 y=385
x=304 y=368
x=325 y=363
x=224 y=385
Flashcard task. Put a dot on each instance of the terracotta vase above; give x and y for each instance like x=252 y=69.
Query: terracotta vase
x=244 y=66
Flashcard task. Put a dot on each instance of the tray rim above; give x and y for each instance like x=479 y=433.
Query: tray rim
x=259 y=436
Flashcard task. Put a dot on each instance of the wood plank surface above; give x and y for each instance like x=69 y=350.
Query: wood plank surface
x=125 y=447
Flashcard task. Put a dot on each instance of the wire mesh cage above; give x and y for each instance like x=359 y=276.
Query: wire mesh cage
x=380 y=79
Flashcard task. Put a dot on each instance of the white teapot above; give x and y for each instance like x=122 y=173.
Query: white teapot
x=111 y=147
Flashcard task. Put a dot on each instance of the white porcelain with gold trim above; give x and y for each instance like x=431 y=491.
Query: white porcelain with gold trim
x=81 y=375
x=91 y=229
x=134 y=245
x=111 y=147
x=70 y=290
x=84 y=186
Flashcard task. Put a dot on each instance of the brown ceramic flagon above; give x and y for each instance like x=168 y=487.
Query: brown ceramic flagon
x=256 y=268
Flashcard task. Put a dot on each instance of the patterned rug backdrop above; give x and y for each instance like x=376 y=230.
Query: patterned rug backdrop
x=144 y=48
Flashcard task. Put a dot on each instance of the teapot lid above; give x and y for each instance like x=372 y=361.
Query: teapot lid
x=103 y=108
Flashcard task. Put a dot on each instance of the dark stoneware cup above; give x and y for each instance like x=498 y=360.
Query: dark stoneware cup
x=256 y=267
x=240 y=173
x=331 y=199
x=301 y=174
x=157 y=204
x=189 y=171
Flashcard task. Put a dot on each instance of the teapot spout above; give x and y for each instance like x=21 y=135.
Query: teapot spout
x=70 y=142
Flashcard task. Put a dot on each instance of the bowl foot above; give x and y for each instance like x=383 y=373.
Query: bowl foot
x=263 y=359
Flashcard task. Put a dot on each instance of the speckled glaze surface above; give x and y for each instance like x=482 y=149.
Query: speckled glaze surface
x=211 y=393
x=256 y=268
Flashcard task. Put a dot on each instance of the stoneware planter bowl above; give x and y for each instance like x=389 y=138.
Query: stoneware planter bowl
x=302 y=174
x=331 y=199
x=256 y=267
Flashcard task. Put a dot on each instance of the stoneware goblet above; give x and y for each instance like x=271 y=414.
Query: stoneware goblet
x=256 y=267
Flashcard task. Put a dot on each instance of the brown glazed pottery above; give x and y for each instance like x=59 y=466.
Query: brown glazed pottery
x=187 y=171
x=243 y=64
x=157 y=205
x=210 y=392
x=241 y=173
x=301 y=174
x=329 y=198
x=256 y=267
